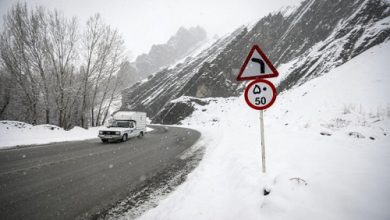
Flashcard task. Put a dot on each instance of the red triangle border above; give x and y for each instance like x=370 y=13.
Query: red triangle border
x=274 y=73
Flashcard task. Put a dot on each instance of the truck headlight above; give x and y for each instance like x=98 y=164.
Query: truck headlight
x=117 y=132
x=100 y=132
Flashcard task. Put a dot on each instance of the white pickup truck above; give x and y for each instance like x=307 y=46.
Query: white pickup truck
x=126 y=124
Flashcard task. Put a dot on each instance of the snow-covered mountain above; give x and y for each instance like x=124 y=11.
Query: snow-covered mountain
x=304 y=43
x=175 y=48
x=327 y=152
x=180 y=45
x=327 y=149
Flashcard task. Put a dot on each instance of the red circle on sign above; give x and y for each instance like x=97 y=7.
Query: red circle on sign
x=260 y=81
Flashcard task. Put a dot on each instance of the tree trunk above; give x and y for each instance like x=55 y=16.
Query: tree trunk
x=34 y=118
x=47 y=116
x=83 y=106
x=2 y=110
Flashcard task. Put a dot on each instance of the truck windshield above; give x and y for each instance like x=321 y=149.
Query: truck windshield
x=120 y=124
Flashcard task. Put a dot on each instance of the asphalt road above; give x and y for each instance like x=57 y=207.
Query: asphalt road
x=76 y=180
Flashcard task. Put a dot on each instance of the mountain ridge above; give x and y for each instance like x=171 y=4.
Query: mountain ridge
x=316 y=37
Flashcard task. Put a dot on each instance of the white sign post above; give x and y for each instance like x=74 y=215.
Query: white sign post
x=262 y=141
x=260 y=94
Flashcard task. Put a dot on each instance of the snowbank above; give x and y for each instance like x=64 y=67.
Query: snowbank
x=327 y=144
x=13 y=133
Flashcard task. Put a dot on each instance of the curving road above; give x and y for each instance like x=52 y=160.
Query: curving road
x=72 y=180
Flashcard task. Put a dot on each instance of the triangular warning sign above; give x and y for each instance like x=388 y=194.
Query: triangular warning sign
x=257 y=65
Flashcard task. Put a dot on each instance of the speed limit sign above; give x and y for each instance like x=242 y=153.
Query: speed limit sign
x=260 y=94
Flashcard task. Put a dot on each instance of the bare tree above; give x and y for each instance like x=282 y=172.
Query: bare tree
x=90 y=42
x=114 y=57
x=60 y=44
x=104 y=49
x=5 y=92
x=115 y=93
x=16 y=56
x=59 y=75
x=34 y=35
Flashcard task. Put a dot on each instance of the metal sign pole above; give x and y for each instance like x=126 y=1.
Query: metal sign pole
x=259 y=94
x=262 y=140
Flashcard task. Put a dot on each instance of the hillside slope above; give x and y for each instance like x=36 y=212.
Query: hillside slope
x=315 y=38
x=327 y=150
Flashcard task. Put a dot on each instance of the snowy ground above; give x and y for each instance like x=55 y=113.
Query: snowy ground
x=327 y=143
x=14 y=133
x=327 y=149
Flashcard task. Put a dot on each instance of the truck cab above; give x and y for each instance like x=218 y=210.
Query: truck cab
x=125 y=125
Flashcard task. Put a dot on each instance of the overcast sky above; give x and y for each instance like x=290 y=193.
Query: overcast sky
x=146 y=22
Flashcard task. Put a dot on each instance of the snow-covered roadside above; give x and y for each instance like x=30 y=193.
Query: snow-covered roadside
x=328 y=152
x=14 y=133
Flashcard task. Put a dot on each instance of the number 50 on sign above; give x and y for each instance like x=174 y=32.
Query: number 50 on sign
x=260 y=94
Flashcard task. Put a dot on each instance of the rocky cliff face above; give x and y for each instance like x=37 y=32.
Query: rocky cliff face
x=314 y=38
x=158 y=89
x=165 y=54
x=178 y=46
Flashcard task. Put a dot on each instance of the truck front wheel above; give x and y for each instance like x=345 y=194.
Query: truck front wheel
x=124 y=138
x=104 y=140
x=141 y=134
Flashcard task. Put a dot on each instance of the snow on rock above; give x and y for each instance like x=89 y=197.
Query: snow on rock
x=199 y=48
x=316 y=37
x=14 y=133
x=317 y=166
